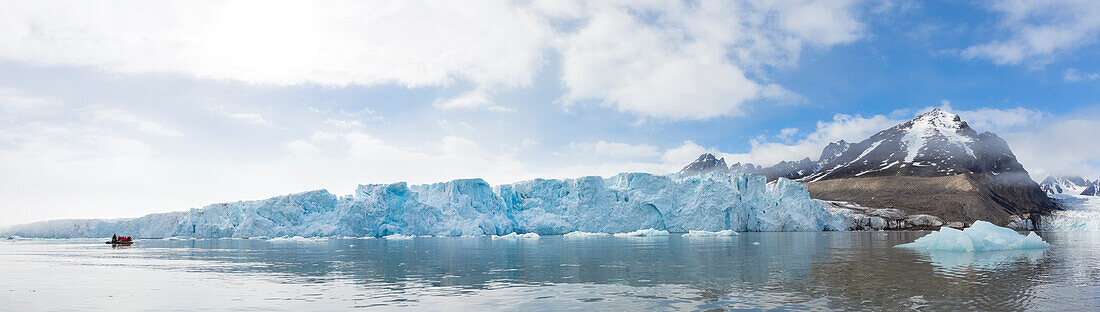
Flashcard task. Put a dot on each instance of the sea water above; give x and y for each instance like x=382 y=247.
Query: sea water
x=756 y=271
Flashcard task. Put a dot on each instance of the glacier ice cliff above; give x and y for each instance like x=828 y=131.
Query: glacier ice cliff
x=1082 y=213
x=619 y=204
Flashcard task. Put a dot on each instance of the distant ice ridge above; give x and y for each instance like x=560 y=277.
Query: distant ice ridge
x=982 y=236
x=618 y=204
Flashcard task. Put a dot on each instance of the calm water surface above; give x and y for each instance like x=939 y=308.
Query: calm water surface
x=753 y=271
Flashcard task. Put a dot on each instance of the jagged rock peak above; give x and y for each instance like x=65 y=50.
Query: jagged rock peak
x=705 y=164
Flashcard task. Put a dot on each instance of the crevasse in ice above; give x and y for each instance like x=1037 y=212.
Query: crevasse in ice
x=623 y=203
x=982 y=236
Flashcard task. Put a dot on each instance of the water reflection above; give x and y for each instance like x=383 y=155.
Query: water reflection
x=988 y=260
x=786 y=271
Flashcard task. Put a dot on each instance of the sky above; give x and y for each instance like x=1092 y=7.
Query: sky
x=114 y=109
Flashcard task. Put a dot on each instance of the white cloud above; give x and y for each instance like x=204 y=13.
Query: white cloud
x=612 y=150
x=410 y=43
x=250 y=118
x=303 y=147
x=693 y=62
x=1073 y=75
x=668 y=60
x=15 y=102
x=477 y=98
x=343 y=124
x=787 y=133
x=998 y=119
x=1075 y=141
x=852 y=128
x=1039 y=30
x=114 y=116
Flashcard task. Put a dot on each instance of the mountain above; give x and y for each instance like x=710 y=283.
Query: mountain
x=1070 y=186
x=934 y=164
x=705 y=164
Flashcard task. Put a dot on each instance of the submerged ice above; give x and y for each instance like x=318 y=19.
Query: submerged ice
x=620 y=204
x=982 y=236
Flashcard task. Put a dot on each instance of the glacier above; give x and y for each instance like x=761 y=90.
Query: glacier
x=1082 y=213
x=622 y=203
x=981 y=236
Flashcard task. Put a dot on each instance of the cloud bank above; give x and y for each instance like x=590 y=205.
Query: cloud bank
x=658 y=59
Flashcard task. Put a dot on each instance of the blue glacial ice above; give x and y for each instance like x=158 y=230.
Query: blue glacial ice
x=1082 y=213
x=618 y=204
x=982 y=236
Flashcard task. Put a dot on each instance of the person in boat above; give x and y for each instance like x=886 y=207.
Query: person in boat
x=114 y=238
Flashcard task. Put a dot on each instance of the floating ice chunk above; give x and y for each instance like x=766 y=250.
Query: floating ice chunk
x=398 y=236
x=982 y=236
x=580 y=234
x=643 y=233
x=722 y=233
x=518 y=236
x=296 y=239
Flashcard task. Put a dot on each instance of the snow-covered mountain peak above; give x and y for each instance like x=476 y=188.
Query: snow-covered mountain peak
x=937 y=120
x=1070 y=185
x=936 y=126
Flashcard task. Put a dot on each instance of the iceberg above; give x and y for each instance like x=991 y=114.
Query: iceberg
x=518 y=236
x=296 y=239
x=398 y=237
x=580 y=234
x=696 y=234
x=622 y=203
x=643 y=233
x=982 y=236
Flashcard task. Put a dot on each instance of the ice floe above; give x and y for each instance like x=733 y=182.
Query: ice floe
x=643 y=233
x=697 y=234
x=580 y=234
x=982 y=236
